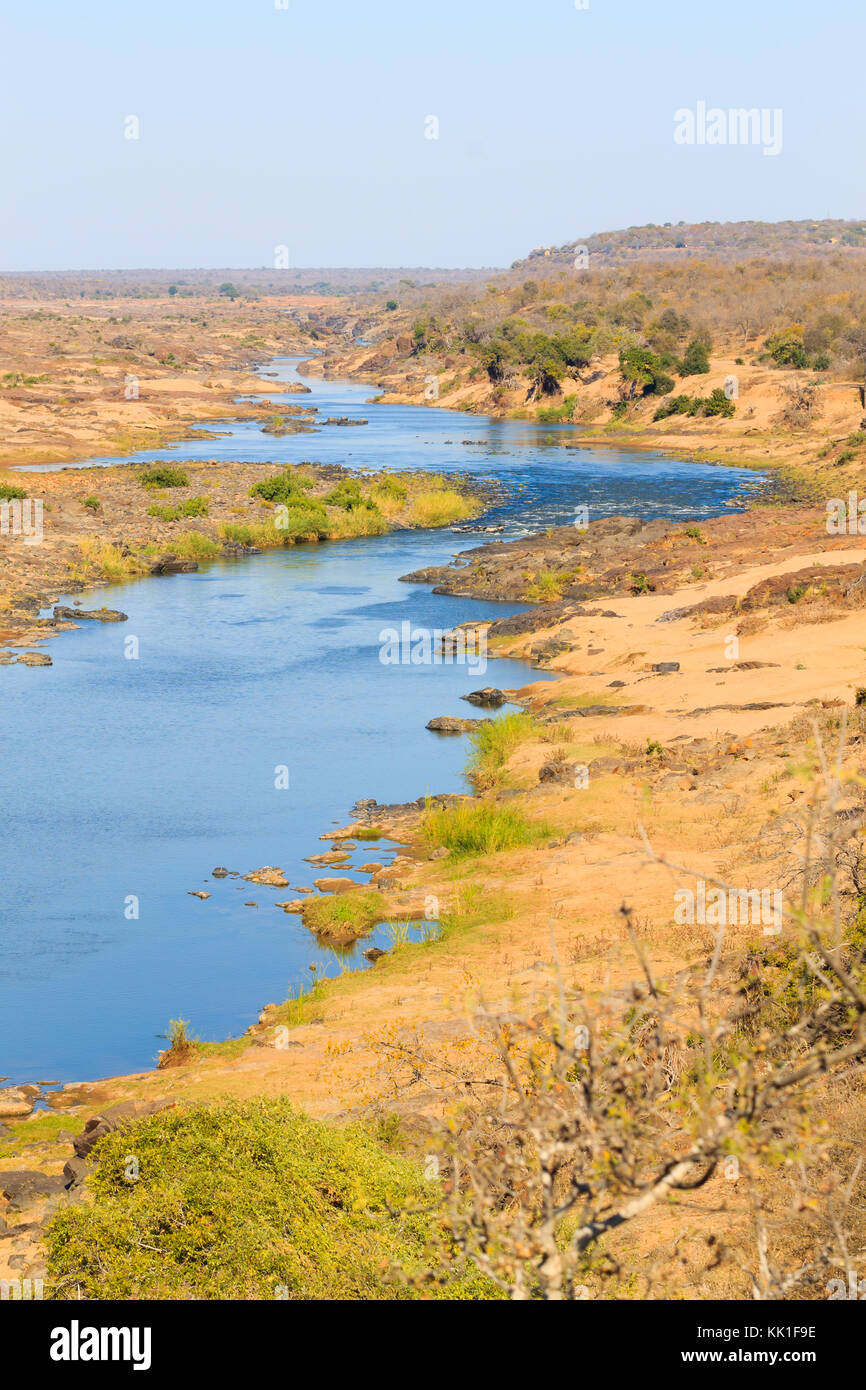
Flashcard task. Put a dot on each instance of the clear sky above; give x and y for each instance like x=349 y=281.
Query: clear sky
x=305 y=126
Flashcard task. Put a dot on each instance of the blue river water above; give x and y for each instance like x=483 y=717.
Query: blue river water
x=125 y=782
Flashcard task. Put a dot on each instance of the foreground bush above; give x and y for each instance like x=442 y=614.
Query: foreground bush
x=252 y=1200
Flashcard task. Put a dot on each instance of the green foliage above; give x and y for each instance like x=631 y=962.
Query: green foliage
x=10 y=493
x=696 y=360
x=557 y=414
x=787 y=349
x=643 y=370
x=344 y=914
x=254 y=1200
x=192 y=506
x=479 y=827
x=92 y=502
x=494 y=741
x=347 y=494
x=282 y=487
x=716 y=403
x=163 y=477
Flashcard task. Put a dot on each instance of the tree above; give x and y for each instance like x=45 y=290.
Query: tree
x=696 y=361
x=229 y=290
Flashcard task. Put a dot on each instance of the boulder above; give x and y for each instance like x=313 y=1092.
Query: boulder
x=489 y=697
x=447 y=724
x=14 y=1103
x=118 y=1116
x=173 y=564
x=75 y=1170
x=21 y=1186
x=270 y=876
x=556 y=771
x=35 y=659
x=97 y=615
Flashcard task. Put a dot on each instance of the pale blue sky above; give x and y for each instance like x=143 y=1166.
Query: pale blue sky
x=305 y=126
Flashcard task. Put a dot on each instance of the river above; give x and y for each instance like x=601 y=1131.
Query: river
x=125 y=782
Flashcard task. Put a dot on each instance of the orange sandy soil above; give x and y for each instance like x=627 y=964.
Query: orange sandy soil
x=724 y=796
x=64 y=369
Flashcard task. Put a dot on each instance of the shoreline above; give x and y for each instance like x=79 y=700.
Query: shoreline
x=730 y=741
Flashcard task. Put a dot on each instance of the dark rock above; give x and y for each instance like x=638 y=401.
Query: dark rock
x=115 y=1117
x=173 y=564
x=556 y=771
x=374 y=953
x=220 y=873
x=447 y=724
x=666 y=668
x=489 y=697
x=98 y=615
x=75 y=1170
x=20 y=1186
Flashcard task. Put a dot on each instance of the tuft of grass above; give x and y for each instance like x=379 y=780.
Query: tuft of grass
x=10 y=493
x=438 y=507
x=195 y=545
x=474 y=906
x=163 y=477
x=255 y=1200
x=479 y=827
x=494 y=742
x=93 y=503
x=181 y=1047
x=547 y=586
x=193 y=506
x=344 y=917
x=100 y=560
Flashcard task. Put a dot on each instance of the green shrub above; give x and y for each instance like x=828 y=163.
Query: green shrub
x=91 y=502
x=717 y=403
x=254 y=1200
x=347 y=494
x=163 y=477
x=696 y=361
x=787 y=349
x=282 y=487
x=10 y=493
